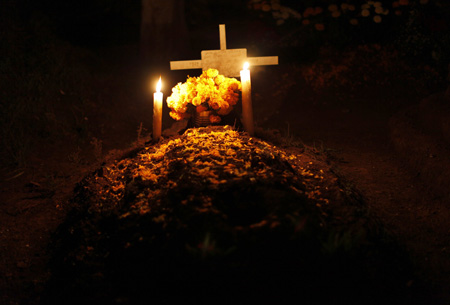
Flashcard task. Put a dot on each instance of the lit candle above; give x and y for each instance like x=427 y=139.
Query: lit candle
x=157 y=111
x=247 y=111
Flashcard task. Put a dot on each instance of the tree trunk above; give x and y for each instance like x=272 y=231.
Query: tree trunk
x=164 y=34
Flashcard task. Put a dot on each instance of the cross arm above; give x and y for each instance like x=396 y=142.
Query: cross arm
x=263 y=60
x=185 y=64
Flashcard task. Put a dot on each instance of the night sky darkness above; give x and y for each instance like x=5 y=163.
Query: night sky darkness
x=107 y=23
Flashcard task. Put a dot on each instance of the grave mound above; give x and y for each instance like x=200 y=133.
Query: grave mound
x=216 y=216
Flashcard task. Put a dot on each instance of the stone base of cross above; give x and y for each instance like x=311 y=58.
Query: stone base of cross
x=229 y=62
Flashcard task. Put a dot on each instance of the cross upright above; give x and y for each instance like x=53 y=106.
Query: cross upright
x=229 y=62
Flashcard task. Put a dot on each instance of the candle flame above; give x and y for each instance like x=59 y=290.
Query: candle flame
x=246 y=65
x=158 y=85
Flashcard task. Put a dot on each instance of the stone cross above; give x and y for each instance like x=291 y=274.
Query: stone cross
x=229 y=62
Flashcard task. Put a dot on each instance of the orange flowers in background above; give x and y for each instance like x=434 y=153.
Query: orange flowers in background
x=319 y=26
x=317 y=15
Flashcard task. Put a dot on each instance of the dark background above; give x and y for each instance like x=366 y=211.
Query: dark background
x=76 y=84
x=64 y=59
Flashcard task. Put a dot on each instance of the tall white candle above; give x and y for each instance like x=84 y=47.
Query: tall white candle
x=247 y=110
x=157 y=111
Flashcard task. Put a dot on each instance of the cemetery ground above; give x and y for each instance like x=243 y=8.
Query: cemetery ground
x=375 y=134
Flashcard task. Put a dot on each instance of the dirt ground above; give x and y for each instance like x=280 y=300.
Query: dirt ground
x=358 y=143
x=354 y=136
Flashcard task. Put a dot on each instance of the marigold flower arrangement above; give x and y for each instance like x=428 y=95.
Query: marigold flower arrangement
x=210 y=91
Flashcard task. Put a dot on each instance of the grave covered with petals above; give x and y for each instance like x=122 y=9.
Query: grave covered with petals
x=218 y=216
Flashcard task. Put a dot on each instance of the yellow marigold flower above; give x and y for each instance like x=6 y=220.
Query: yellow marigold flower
x=191 y=95
x=211 y=73
x=178 y=116
x=214 y=104
x=191 y=80
x=219 y=79
x=196 y=101
x=235 y=85
x=336 y=14
x=220 y=93
x=224 y=105
x=403 y=2
x=365 y=13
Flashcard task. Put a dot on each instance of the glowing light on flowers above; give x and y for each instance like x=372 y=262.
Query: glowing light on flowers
x=208 y=92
